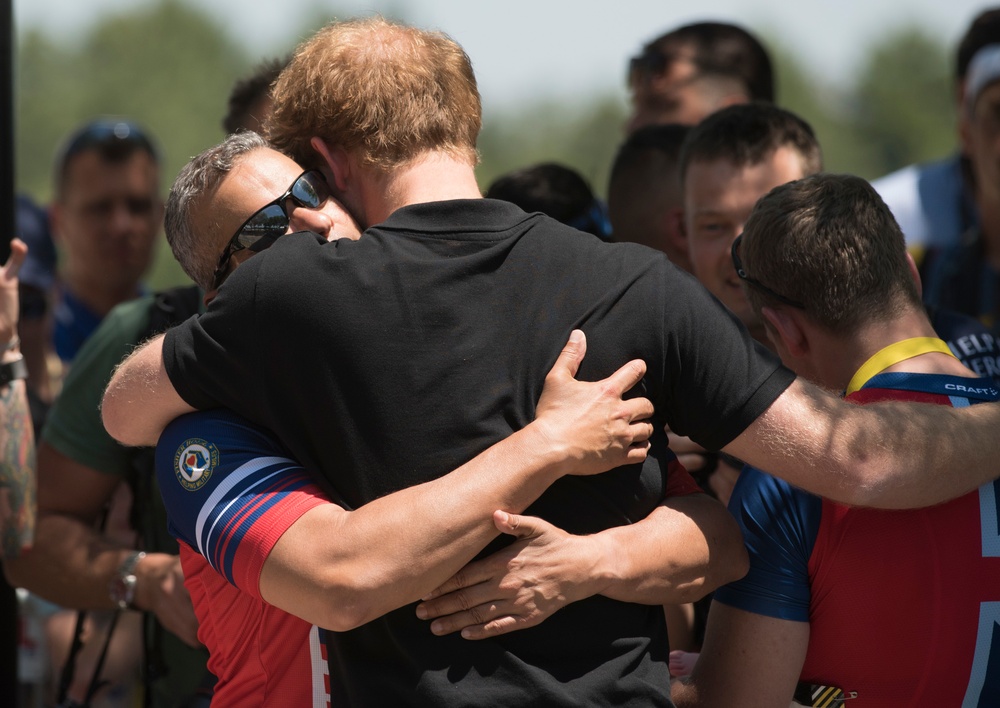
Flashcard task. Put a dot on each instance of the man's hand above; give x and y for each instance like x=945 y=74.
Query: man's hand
x=587 y=423
x=517 y=587
x=160 y=590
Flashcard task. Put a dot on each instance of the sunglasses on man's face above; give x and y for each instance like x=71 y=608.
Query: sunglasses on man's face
x=270 y=222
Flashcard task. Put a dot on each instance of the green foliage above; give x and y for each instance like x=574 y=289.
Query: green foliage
x=903 y=111
x=899 y=109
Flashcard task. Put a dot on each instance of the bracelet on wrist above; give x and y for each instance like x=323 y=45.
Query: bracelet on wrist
x=13 y=344
x=13 y=370
x=123 y=586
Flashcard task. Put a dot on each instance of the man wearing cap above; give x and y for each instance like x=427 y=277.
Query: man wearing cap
x=965 y=275
x=933 y=201
x=106 y=216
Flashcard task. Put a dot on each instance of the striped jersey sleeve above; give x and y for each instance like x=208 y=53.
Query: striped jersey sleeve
x=230 y=491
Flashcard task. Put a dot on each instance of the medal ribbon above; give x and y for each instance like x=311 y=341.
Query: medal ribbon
x=893 y=354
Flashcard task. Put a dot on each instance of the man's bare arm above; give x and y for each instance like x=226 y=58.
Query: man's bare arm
x=747 y=660
x=17 y=440
x=685 y=548
x=17 y=471
x=71 y=563
x=889 y=455
x=140 y=399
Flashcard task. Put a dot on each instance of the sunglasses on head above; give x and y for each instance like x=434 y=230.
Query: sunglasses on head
x=753 y=282
x=113 y=138
x=651 y=62
x=270 y=222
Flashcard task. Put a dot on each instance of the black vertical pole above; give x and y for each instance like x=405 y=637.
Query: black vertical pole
x=6 y=126
x=8 y=598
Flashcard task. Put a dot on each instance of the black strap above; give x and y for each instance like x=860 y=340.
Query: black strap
x=69 y=668
x=169 y=307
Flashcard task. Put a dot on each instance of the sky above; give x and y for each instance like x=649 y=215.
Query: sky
x=527 y=49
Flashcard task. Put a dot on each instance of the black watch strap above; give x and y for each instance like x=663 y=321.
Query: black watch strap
x=13 y=371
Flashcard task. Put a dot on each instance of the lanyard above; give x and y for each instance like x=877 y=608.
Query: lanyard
x=893 y=354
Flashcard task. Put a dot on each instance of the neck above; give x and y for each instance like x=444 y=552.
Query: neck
x=433 y=177
x=838 y=358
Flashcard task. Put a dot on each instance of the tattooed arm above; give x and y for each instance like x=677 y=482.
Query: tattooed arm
x=17 y=443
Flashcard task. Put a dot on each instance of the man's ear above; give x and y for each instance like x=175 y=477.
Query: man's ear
x=785 y=326
x=337 y=163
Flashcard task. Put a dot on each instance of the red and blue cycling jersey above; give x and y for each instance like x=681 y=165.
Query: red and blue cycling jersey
x=903 y=606
x=231 y=491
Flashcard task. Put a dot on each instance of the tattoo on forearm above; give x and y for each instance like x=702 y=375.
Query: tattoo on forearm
x=17 y=471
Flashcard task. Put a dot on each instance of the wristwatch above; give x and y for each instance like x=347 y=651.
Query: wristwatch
x=13 y=370
x=122 y=587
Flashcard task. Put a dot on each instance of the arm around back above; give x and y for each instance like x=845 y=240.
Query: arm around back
x=891 y=455
x=140 y=399
x=339 y=568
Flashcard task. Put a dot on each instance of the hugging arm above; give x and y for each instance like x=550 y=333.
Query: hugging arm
x=140 y=399
x=892 y=455
x=686 y=547
x=339 y=568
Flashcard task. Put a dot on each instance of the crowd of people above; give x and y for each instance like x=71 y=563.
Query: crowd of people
x=448 y=446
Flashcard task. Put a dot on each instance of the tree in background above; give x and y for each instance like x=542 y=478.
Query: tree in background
x=170 y=66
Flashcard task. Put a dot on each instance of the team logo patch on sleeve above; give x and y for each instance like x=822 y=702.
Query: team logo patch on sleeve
x=194 y=462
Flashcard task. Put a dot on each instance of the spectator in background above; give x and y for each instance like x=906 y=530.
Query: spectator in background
x=729 y=161
x=106 y=216
x=881 y=608
x=933 y=202
x=250 y=100
x=37 y=279
x=965 y=275
x=645 y=203
x=81 y=469
x=557 y=191
x=694 y=70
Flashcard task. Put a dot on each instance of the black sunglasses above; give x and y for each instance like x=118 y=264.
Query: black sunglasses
x=651 y=62
x=738 y=264
x=270 y=222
